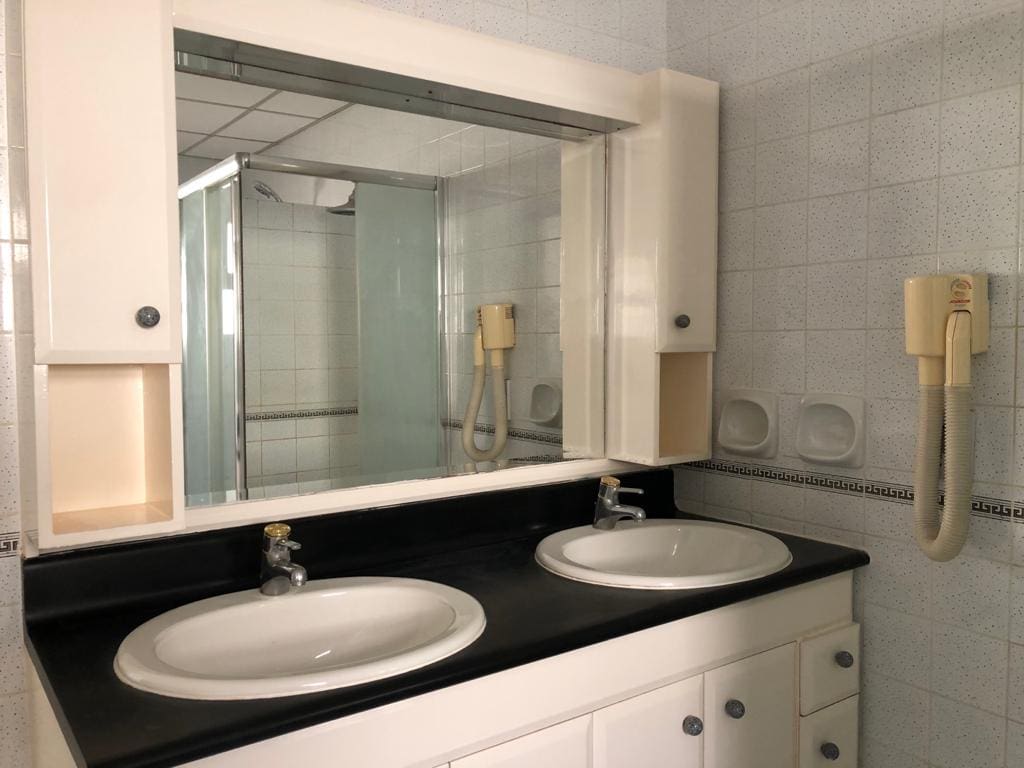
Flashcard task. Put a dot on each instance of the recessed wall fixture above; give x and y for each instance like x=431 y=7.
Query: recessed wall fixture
x=749 y=423
x=830 y=430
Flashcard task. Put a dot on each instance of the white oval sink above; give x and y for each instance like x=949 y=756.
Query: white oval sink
x=663 y=554
x=328 y=634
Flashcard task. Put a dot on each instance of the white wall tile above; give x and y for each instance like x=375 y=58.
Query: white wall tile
x=982 y=52
x=780 y=235
x=892 y=18
x=896 y=645
x=835 y=361
x=981 y=131
x=904 y=146
x=839 y=159
x=902 y=219
x=781 y=173
x=779 y=299
x=840 y=89
x=895 y=714
x=907 y=71
x=964 y=737
x=969 y=668
x=783 y=105
x=783 y=39
x=733 y=55
x=837 y=228
x=978 y=210
x=736 y=240
x=838 y=26
x=779 y=360
x=836 y=295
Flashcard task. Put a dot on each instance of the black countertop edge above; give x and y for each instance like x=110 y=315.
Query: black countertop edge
x=531 y=615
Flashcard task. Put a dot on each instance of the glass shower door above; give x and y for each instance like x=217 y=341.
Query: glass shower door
x=212 y=361
x=399 y=346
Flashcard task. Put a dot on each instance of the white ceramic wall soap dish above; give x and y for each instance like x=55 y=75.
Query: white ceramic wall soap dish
x=546 y=404
x=749 y=423
x=830 y=430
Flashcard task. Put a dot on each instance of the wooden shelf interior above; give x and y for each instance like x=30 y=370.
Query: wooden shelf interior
x=110 y=446
x=685 y=395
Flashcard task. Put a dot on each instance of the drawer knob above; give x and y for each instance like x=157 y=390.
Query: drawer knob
x=830 y=751
x=682 y=321
x=844 y=659
x=735 y=709
x=147 y=317
x=693 y=726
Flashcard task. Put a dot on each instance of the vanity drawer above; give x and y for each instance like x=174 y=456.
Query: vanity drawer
x=829 y=668
x=828 y=738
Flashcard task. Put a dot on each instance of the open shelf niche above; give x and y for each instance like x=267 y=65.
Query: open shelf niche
x=108 y=452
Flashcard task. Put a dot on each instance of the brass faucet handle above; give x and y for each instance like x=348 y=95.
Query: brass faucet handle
x=611 y=482
x=277 y=531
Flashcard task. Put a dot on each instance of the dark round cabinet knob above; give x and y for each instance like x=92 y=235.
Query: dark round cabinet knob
x=147 y=317
x=735 y=709
x=682 y=321
x=693 y=726
x=844 y=659
x=830 y=751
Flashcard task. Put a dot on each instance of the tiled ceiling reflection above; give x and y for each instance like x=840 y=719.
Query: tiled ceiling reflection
x=216 y=118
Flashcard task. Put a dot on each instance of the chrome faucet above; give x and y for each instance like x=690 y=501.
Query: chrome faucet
x=278 y=574
x=608 y=511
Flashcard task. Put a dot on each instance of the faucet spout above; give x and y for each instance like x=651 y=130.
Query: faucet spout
x=278 y=574
x=608 y=511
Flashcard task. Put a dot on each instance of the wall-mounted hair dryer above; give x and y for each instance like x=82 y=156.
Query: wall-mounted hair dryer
x=947 y=322
x=495 y=332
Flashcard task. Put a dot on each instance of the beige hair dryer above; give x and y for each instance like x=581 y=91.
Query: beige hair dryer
x=947 y=322
x=495 y=332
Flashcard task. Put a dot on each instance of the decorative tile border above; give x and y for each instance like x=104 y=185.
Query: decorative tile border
x=518 y=434
x=540 y=458
x=308 y=413
x=983 y=506
x=9 y=543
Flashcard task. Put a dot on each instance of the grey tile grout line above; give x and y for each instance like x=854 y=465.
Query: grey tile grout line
x=982 y=506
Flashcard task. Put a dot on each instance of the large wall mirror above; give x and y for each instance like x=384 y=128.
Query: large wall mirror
x=375 y=285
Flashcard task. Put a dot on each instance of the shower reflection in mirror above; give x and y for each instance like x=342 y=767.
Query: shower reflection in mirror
x=348 y=323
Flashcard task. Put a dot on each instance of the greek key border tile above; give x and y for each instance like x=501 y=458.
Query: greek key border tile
x=982 y=506
x=514 y=432
x=307 y=413
x=9 y=543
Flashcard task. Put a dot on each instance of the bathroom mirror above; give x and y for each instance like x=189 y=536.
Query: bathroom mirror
x=373 y=294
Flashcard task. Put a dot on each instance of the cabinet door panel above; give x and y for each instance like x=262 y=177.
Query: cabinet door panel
x=104 y=219
x=647 y=730
x=832 y=728
x=765 y=733
x=566 y=745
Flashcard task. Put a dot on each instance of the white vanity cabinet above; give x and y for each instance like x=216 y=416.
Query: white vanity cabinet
x=742 y=714
x=566 y=745
x=751 y=711
x=102 y=178
x=660 y=729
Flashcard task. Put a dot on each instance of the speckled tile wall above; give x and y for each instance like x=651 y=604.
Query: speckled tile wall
x=15 y=342
x=863 y=141
x=629 y=34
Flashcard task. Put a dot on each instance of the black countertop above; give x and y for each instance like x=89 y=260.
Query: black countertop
x=79 y=606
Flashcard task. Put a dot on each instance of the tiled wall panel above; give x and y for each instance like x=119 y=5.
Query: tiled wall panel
x=863 y=142
x=16 y=415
